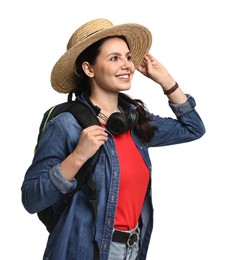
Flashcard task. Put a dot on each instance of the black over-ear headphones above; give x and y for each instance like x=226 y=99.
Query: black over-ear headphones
x=118 y=122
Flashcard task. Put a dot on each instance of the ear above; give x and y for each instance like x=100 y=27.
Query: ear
x=88 y=70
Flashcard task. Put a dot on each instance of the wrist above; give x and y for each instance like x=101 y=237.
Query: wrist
x=167 y=83
x=78 y=158
x=171 y=90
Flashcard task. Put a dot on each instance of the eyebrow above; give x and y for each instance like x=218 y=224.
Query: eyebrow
x=118 y=54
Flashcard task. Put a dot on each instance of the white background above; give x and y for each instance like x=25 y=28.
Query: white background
x=189 y=183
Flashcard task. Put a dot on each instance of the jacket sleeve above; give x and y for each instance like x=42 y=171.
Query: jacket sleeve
x=44 y=183
x=186 y=127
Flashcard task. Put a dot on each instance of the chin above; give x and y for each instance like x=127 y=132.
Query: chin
x=125 y=88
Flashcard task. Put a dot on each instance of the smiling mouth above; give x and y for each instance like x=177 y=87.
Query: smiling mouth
x=123 y=76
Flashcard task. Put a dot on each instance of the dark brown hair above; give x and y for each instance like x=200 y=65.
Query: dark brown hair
x=144 y=130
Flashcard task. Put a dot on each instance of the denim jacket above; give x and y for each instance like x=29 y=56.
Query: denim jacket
x=44 y=183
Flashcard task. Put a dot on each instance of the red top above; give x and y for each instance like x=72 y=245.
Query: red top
x=134 y=179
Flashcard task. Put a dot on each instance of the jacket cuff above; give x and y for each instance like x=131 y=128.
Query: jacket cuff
x=183 y=108
x=60 y=182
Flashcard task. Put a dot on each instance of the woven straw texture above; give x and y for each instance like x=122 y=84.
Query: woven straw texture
x=63 y=78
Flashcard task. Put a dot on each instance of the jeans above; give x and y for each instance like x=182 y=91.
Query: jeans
x=119 y=251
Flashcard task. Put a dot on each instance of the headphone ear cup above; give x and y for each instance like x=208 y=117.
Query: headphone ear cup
x=117 y=123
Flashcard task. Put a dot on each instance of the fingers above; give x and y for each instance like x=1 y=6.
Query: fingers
x=94 y=135
x=150 y=56
x=146 y=65
x=91 y=139
x=95 y=130
x=150 y=59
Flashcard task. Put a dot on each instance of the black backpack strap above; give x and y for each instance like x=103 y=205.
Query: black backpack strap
x=92 y=193
x=86 y=118
x=83 y=114
x=84 y=176
x=96 y=251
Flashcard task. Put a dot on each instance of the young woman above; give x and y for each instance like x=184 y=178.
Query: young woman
x=98 y=67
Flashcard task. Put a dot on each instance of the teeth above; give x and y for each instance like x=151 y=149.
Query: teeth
x=123 y=76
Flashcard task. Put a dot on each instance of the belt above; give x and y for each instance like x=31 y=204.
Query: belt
x=128 y=238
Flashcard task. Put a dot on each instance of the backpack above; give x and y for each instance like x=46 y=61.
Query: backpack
x=85 y=117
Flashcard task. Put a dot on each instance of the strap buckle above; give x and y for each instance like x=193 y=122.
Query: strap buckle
x=133 y=237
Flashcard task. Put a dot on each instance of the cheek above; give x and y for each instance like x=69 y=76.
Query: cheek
x=102 y=74
x=106 y=72
x=133 y=68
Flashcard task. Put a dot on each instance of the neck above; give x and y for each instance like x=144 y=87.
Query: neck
x=108 y=104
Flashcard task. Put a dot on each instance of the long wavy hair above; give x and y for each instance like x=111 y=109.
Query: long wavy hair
x=144 y=129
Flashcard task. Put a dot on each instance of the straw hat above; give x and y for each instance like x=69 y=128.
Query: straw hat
x=63 y=78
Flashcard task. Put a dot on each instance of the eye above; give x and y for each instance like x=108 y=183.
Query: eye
x=114 y=58
x=129 y=57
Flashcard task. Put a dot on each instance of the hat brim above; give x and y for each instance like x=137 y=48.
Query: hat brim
x=63 y=78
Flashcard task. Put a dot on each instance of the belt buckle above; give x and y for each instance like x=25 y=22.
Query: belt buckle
x=133 y=237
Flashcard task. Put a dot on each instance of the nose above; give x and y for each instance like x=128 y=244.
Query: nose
x=126 y=64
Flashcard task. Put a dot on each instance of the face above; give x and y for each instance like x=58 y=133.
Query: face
x=113 y=69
